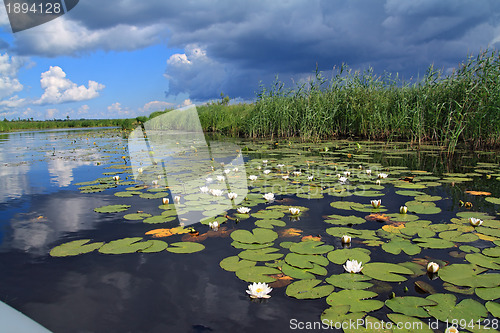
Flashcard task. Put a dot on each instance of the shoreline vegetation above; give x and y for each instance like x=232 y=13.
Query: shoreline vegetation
x=462 y=107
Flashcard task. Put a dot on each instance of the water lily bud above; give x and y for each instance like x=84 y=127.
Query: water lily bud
x=294 y=211
x=376 y=203
x=346 y=239
x=116 y=178
x=177 y=198
x=432 y=267
x=165 y=201
x=403 y=210
x=475 y=222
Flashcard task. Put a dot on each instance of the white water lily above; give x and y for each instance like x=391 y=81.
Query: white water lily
x=353 y=266
x=346 y=239
x=140 y=170
x=214 y=225
x=403 y=210
x=297 y=173
x=226 y=171
x=269 y=196
x=377 y=182
x=204 y=189
x=235 y=169
x=294 y=210
x=216 y=192
x=154 y=182
x=432 y=267
x=382 y=175
x=368 y=171
x=116 y=178
x=165 y=201
x=232 y=195
x=209 y=179
x=280 y=165
x=451 y=329
x=342 y=179
x=264 y=161
x=221 y=178
x=360 y=167
x=159 y=176
x=376 y=203
x=267 y=171
x=475 y=222
x=310 y=177
x=243 y=210
x=347 y=173
x=177 y=198
x=339 y=175
x=252 y=177
x=285 y=177
x=259 y=290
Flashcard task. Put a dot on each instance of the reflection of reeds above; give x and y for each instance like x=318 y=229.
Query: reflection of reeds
x=463 y=106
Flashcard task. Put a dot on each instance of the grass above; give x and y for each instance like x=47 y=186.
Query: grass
x=14 y=125
x=462 y=107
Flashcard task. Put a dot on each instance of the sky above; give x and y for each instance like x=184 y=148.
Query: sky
x=124 y=58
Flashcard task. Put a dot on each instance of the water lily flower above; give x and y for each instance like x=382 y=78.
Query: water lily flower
x=264 y=161
x=269 y=196
x=159 y=176
x=347 y=173
x=353 y=266
x=154 y=182
x=432 y=267
x=165 y=201
x=252 y=177
x=280 y=165
x=140 y=170
x=243 y=210
x=267 y=171
x=226 y=171
x=285 y=177
x=297 y=173
x=294 y=210
x=382 y=175
x=259 y=167
x=403 y=210
x=204 y=189
x=116 y=178
x=475 y=222
x=209 y=179
x=360 y=167
x=376 y=203
x=214 y=225
x=338 y=175
x=235 y=169
x=310 y=177
x=221 y=178
x=177 y=198
x=216 y=192
x=377 y=182
x=346 y=239
x=451 y=329
x=342 y=179
x=259 y=290
x=232 y=195
x=368 y=172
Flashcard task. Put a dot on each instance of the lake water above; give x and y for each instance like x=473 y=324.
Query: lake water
x=53 y=180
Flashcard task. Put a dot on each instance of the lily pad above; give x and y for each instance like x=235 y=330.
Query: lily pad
x=488 y=294
x=337 y=314
x=433 y=243
x=125 y=245
x=410 y=324
x=156 y=246
x=136 y=216
x=311 y=247
x=357 y=299
x=493 y=308
x=340 y=256
x=344 y=220
x=270 y=224
x=296 y=273
x=257 y=274
x=446 y=308
x=410 y=305
x=305 y=260
x=458 y=236
x=349 y=281
x=185 y=247
x=469 y=276
x=388 y=272
x=75 y=248
x=483 y=261
x=234 y=263
x=396 y=245
x=111 y=208
x=265 y=254
x=493 y=200
x=307 y=289
x=258 y=235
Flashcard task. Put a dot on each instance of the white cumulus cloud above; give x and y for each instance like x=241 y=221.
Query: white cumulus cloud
x=9 y=66
x=59 y=89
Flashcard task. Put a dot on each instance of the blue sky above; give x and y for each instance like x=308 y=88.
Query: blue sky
x=122 y=58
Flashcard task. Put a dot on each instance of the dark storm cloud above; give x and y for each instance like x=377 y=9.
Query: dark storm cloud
x=240 y=43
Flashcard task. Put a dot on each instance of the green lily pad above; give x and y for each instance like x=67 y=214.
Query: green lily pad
x=346 y=205
x=468 y=249
x=410 y=324
x=386 y=271
x=483 y=261
x=296 y=273
x=185 y=247
x=158 y=219
x=349 y=281
x=492 y=252
x=125 y=245
x=357 y=299
x=469 y=276
x=75 y=248
x=493 y=308
x=305 y=260
x=493 y=200
x=355 y=233
x=344 y=220
x=136 y=216
x=156 y=246
x=245 y=246
x=340 y=256
x=419 y=207
x=457 y=236
x=306 y=289
x=433 y=243
x=234 y=263
x=410 y=193
x=265 y=254
x=268 y=214
x=371 y=325
x=410 y=305
x=488 y=294
x=258 y=235
x=311 y=247
x=111 y=208
x=395 y=246
x=337 y=314
x=257 y=274
x=270 y=224
x=446 y=308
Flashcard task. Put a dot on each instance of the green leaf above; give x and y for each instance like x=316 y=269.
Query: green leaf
x=458 y=236
x=257 y=274
x=357 y=299
x=125 y=245
x=311 y=247
x=344 y=220
x=246 y=246
x=159 y=219
x=410 y=305
x=264 y=254
x=258 y=235
x=270 y=224
x=305 y=261
x=468 y=276
x=410 y=322
x=386 y=271
x=306 y=289
x=447 y=309
x=493 y=308
x=75 y=248
x=156 y=246
x=396 y=245
x=493 y=200
x=136 y=216
x=349 y=281
x=111 y=208
x=296 y=273
x=340 y=256
x=433 y=243
x=419 y=207
x=185 y=247
x=234 y=263
x=483 y=261
x=338 y=313
x=488 y=294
